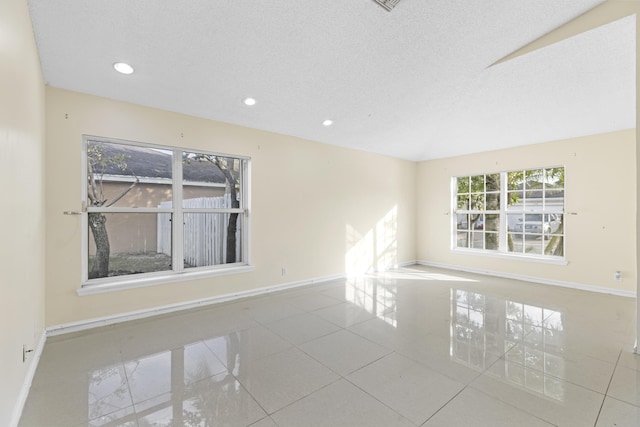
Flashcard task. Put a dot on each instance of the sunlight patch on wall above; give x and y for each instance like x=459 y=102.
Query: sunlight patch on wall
x=375 y=250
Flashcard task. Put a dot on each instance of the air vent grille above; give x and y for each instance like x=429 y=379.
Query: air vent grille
x=387 y=4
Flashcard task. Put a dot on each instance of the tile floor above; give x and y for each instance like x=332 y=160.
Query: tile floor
x=413 y=347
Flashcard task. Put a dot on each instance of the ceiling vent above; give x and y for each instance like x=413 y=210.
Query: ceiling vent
x=387 y=4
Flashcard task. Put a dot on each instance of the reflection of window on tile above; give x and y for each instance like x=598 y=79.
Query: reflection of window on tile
x=534 y=343
x=474 y=328
x=168 y=388
x=108 y=392
x=379 y=300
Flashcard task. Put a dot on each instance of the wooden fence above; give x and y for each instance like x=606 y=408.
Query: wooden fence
x=205 y=234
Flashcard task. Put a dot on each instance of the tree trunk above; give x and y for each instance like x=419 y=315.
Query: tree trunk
x=492 y=221
x=555 y=246
x=232 y=227
x=97 y=224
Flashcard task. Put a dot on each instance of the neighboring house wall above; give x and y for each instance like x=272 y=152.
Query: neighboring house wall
x=316 y=209
x=135 y=233
x=600 y=192
x=22 y=206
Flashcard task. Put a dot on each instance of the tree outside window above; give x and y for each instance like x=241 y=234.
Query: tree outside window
x=517 y=212
x=155 y=210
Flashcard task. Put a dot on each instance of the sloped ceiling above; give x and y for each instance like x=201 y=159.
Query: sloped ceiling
x=414 y=83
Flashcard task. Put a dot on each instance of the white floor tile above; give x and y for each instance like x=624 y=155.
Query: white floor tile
x=268 y=310
x=629 y=359
x=340 y=404
x=312 y=301
x=265 y=422
x=473 y=408
x=617 y=413
x=280 y=379
x=625 y=385
x=344 y=314
x=237 y=348
x=594 y=374
x=343 y=351
x=406 y=386
x=302 y=328
x=395 y=348
x=549 y=398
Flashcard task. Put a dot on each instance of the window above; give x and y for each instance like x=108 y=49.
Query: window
x=518 y=212
x=154 y=211
x=478 y=211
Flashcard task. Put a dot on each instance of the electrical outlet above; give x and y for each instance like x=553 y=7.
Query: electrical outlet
x=25 y=352
x=284 y=271
x=617 y=276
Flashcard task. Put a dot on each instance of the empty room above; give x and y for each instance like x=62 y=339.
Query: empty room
x=297 y=213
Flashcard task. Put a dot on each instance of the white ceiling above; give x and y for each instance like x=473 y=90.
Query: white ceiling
x=413 y=83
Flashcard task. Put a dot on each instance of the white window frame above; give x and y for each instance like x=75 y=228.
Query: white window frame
x=178 y=272
x=503 y=251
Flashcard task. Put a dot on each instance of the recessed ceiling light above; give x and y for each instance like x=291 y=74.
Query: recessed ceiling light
x=249 y=101
x=123 y=68
x=327 y=122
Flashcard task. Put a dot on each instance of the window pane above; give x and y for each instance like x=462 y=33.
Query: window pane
x=556 y=221
x=121 y=175
x=477 y=202
x=207 y=241
x=493 y=201
x=463 y=184
x=477 y=183
x=128 y=243
x=534 y=178
x=534 y=189
x=515 y=200
x=462 y=240
x=211 y=181
x=514 y=241
x=477 y=240
x=554 y=177
x=477 y=221
x=463 y=221
x=492 y=222
x=493 y=182
x=534 y=224
x=532 y=245
x=515 y=180
x=515 y=222
x=463 y=202
x=554 y=200
x=491 y=241
x=555 y=246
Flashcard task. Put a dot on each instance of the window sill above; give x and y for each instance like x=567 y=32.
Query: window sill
x=116 y=284
x=513 y=256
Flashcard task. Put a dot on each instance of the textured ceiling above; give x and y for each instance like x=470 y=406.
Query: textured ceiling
x=413 y=83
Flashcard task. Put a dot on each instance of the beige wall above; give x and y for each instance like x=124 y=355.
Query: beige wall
x=22 y=150
x=317 y=210
x=600 y=187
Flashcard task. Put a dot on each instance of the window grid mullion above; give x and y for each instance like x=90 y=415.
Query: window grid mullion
x=533 y=203
x=177 y=245
x=504 y=225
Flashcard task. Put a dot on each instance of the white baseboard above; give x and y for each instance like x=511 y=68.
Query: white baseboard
x=408 y=263
x=82 y=325
x=561 y=283
x=26 y=385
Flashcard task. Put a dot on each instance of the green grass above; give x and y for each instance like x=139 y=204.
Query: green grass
x=134 y=263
